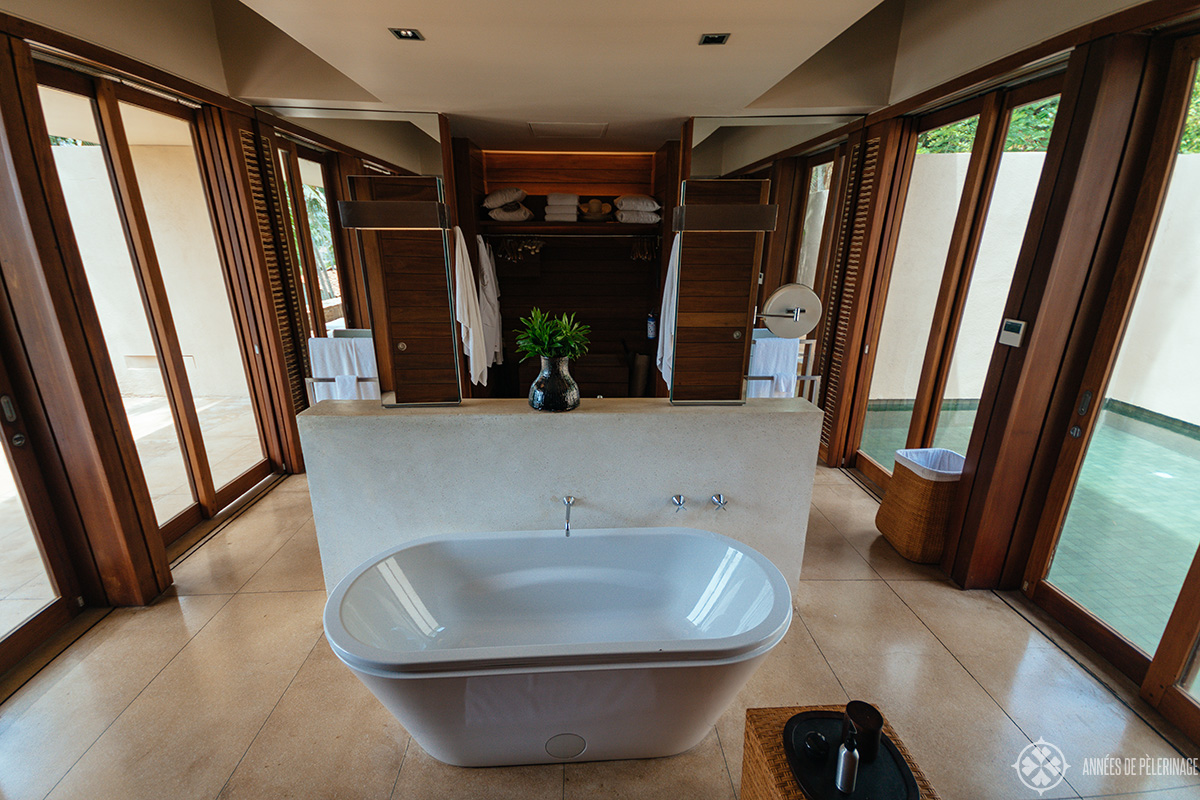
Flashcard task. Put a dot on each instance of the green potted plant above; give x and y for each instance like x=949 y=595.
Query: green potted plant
x=556 y=341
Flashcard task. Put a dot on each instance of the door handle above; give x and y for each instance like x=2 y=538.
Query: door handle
x=1085 y=402
x=8 y=408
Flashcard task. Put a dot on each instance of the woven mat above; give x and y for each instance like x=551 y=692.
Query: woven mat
x=765 y=771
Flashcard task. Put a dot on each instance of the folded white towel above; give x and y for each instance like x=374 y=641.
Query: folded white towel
x=519 y=215
x=565 y=217
x=502 y=196
x=636 y=202
x=638 y=217
x=560 y=199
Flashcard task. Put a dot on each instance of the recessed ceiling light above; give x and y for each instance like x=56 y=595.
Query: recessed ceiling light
x=407 y=34
x=714 y=38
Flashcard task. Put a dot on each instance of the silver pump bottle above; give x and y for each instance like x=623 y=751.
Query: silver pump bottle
x=845 y=774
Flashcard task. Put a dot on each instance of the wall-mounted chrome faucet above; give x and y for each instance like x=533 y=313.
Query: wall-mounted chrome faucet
x=720 y=502
x=679 y=501
x=568 y=501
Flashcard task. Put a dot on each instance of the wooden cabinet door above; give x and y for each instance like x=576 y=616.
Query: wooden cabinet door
x=407 y=277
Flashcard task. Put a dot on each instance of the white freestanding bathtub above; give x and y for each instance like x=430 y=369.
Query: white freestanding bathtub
x=532 y=647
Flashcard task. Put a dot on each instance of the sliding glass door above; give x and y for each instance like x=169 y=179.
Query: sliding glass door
x=135 y=359
x=129 y=169
x=968 y=195
x=935 y=187
x=1117 y=546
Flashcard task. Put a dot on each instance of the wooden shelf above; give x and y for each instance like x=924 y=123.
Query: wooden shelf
x=535 y=228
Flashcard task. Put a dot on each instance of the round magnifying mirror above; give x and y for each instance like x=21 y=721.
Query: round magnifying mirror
x=792 y=311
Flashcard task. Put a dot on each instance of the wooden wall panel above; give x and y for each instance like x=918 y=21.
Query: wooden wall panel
x=595 y=278
x=409 y=298
x=597 y=174
x=720 y=322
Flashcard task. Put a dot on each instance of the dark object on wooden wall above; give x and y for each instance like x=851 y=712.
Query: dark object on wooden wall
x=718 y=287
x=407 y=277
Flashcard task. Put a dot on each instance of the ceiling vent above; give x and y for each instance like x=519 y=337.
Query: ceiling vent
x=407 y=34
x=568 y=130
x=714 y=38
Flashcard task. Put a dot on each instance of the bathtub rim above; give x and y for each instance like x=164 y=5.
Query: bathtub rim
x=495 y=660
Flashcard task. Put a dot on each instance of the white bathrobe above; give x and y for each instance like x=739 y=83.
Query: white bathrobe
x=489 y=305
x=466 y=310
x=666 y=319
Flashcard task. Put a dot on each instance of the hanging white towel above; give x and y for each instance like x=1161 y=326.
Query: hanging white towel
x=777 y=358
x=345 y=387
x=666 y=319
x=489 y=305
x=355 y=358
x=466 y=310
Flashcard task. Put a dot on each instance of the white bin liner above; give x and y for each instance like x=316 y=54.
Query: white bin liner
x=932 y=463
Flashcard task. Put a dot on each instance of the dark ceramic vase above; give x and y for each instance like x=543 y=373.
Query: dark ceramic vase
x=554 y=389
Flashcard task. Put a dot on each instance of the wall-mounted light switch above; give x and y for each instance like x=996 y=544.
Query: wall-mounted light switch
x=1012 y=331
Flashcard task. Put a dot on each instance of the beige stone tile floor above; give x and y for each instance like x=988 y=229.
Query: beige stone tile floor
x=226 y=688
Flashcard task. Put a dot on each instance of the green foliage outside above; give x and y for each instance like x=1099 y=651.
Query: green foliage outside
x=1028 y=131
x=957 y=137
x=322 y=239
x=1190 y=143
x=64 y=141
x=544 y=335
x=1030 y=126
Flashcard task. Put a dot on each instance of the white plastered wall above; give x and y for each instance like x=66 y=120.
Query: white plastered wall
x=1157 y=366
x=178 y=36
x=942 y=39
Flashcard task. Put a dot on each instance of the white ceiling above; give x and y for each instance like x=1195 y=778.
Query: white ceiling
x=493 y=67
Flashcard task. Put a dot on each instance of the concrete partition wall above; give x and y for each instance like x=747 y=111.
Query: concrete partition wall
x=381 y=477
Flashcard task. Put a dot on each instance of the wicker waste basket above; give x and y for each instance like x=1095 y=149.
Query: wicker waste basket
x=916 y=506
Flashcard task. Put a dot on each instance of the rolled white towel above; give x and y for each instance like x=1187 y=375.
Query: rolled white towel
x=636 y=202
x=560 y=199
x=519 y=214
x=638 y=217
x=502 y=197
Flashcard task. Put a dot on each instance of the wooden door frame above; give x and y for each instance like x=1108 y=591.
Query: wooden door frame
x=1159 y=673
x=106 y=97
x=306 y=259
x=66 y=352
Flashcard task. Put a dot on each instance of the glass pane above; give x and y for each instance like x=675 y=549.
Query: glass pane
x=313 y=183
x=819 y=179
x=114 y=286
x=25 y=585
x=168 y=176
x=935 y=188
x=1133 y=525
x=1004 y=229
x=285 y=183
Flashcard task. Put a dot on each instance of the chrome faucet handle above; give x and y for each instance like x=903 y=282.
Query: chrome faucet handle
x=720 y=502
x=679 y=501
x=568 y=501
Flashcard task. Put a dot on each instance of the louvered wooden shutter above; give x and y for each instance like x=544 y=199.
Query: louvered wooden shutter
x=278 y=262
x=852 y=268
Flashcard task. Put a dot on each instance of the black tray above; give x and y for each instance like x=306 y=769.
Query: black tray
x=888 y=777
